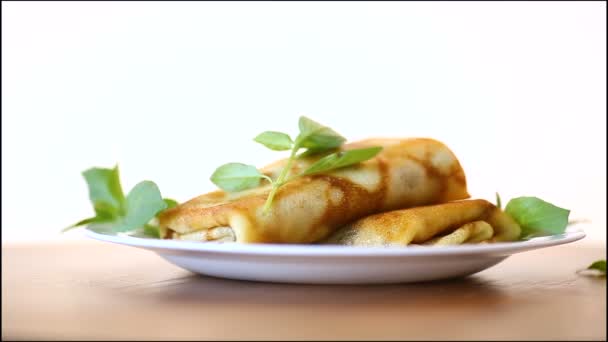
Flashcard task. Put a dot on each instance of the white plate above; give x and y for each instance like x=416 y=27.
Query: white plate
x=324 y=264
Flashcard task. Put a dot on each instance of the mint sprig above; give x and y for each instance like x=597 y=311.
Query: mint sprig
x=314 y=137
x=599 y=265
x=535 y=216
x=116 y=213
x=596 y=269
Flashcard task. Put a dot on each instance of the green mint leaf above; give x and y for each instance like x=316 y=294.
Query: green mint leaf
x=341 y=159
x=105 y=191
x=115 y=212
x=234 y=177
x=106 y=211
x=275 y=141
x=311 y=152
x=597 y=269
x=170 y=203
x=144 y=201
x=102 y=227
x=537 y=217
x=152 y=231
x=498 y=202
x=317 y=137
x=85 y=222
x=599 y=265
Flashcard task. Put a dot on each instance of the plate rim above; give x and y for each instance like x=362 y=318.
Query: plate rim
x=272 y=249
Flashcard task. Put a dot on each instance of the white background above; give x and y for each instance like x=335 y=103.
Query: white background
x=173 y=90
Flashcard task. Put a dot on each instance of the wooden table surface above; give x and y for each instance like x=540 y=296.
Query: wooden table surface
x=94 y=290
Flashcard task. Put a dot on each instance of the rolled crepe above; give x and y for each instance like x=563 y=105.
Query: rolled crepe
x=406 y=173
x=467 y=221
x=474 y=232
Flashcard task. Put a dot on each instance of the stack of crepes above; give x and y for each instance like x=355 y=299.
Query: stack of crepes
x=413 y=192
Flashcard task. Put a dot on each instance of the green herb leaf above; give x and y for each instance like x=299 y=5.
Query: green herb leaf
x=170 y=202
x=106 y=211
x=598 y=268
x=152 y=231
x=102 y=227
x=115 y=212
x=537 y=217
x=311 y=152
x=599 y=265
x=275 y=141
x=105 y=191
x=84 y=223
x=317 y=137
x=106 y=195
x=342 y=159
x=233 y=177
x=144 y=201
x=498 y=202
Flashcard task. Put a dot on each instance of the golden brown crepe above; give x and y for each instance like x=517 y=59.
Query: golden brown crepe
x=467 y=221
x=406 y=173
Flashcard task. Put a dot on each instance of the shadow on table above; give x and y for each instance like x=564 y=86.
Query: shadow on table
x=194 y=289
